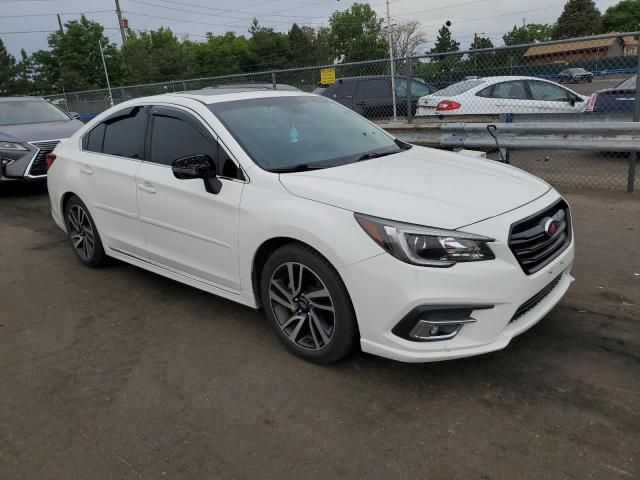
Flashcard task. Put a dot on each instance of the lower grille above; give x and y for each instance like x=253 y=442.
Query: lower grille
x=39 y=164
x=535 y=300
x=537 y=240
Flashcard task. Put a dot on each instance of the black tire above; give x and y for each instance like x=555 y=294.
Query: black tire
x=83 y=234
x=314 y=275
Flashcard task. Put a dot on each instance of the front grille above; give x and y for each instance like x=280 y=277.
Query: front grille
x=529 y=241
x=39 y=165
x=535 y=300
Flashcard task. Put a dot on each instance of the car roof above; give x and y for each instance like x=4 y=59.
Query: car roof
x=216 y=95
x=15 y=99
x=506 y=78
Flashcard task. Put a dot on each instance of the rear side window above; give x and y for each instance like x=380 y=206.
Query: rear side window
x=173 y=138
x=92 y=141
x=510 y=90
x=124 y=135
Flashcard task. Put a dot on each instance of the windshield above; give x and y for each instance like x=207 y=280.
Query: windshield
x=16 y=112
x=458 y=88
x=629 y=83
x=302 y=132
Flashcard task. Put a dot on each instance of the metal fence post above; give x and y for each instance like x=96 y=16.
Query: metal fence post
x=633 y=156
x=184 y=86
x=273 y=80
x=409 y=95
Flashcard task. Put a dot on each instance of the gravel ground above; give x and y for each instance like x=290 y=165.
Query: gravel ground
x=121 y=374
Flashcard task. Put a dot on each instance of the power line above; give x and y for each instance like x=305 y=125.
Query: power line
x=54 y=14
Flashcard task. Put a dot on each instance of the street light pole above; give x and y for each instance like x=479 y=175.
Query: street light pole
x=106 y=74
x=391 y=65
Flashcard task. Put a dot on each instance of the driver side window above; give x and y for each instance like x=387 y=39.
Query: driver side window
x=548 y=92
x=173 y=138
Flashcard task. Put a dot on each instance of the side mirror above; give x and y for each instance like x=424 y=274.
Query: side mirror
x=74 y=115
x=198 y=166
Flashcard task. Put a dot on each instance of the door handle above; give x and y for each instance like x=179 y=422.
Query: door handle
x=86 y=170
x=145 y=187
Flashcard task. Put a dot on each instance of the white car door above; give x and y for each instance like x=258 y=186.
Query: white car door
x=551 y=98
x=111 y=155
x=509 y=97
x=187 y=229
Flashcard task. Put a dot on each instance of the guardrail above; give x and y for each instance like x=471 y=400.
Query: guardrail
x=600 y=136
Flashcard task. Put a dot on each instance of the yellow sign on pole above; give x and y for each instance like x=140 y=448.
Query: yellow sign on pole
x=327 y=76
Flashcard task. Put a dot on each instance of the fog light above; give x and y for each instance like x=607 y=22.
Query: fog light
x=432 y=330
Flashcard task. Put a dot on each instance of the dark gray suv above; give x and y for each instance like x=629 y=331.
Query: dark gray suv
x=30 y=127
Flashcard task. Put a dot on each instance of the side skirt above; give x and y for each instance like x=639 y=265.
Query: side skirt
x=245 y=298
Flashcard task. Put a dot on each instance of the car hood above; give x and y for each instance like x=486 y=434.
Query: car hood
x=33 y=132
x=423 y=186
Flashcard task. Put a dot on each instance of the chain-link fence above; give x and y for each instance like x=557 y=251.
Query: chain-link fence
x=592 y=79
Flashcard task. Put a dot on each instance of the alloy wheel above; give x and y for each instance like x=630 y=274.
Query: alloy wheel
x=81 y=232
x=302 y=306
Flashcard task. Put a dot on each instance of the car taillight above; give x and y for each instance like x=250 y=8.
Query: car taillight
x=591 y=103
x=49 y=159
x=446 y=105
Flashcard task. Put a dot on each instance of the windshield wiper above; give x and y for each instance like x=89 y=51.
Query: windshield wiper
x=370 y=155
x=301 y=167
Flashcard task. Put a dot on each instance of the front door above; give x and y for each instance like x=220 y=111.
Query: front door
x=186 y=228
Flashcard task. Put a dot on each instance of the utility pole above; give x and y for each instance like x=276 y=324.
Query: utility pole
x=391 y=65
x=60 y=23
x=120 y=23
x=106 y=74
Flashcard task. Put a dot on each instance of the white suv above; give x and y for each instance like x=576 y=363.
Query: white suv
x=293 y=203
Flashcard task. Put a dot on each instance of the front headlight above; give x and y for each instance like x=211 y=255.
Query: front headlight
x=426 y=246
x=11 y=147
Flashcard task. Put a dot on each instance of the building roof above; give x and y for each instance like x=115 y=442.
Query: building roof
x=630 y=40
x=540 y=50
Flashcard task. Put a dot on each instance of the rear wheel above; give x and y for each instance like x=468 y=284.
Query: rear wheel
x=308 y=305
x=83 y=234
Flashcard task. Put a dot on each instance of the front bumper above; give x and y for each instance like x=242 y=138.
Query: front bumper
x=385 y=290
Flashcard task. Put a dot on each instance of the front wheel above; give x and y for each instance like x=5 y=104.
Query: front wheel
x=308 y=305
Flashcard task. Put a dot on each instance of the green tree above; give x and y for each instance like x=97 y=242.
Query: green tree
x=481 y=60
x=529 y=33
x=444 y=44
x=7 y=70
x=73 y=59
x=301 y=46
x=24 y=74
x=579 y=18
x=357 y=34
x=219 y=55
x=268 y=49
x=622 y=17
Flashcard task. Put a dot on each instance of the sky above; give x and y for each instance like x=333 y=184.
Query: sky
x=490 y=18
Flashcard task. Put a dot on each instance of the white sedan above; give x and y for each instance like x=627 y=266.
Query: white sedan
x=343 y=234
x=495 y=95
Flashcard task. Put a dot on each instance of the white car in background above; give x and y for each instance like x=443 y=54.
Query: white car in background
x=495 y=95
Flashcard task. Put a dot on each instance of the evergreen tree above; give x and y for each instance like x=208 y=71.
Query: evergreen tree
x=446 y=43
x=579 y=18
x=7 y=70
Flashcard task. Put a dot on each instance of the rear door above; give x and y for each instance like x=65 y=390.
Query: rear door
x=112 y=153
x=551 y=98
x=509 y=97
x=186 y=228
